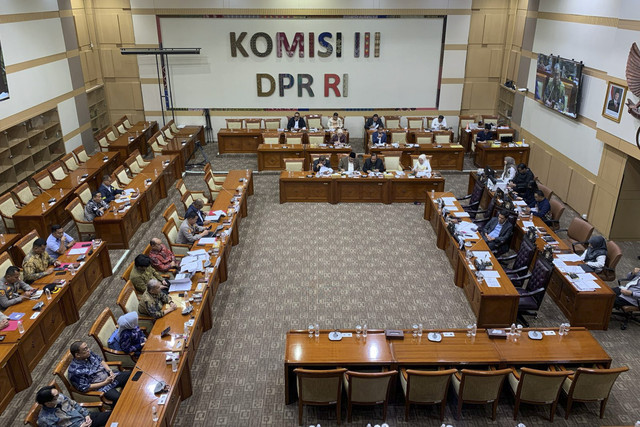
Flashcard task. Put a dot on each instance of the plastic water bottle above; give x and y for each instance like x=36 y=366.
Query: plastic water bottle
x=154 y=413
x=174 y=365
x=365 y=329
x=20 y=327
x=2 y=241
x=317 y=330
x=155 y=172
x=61 y=193
x=43 y=208
x=47 y=292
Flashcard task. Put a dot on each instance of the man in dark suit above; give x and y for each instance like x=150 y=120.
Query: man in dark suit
x=320 y=162
x=379 y=137
x=296 y=122
x=614 y=104
x=373 y=163
x=108 y=192
x=196 y=207
x=373 y=123
x=497 y=233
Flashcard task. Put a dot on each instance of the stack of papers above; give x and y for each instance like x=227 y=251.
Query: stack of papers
x=527 y=224
x=449 y=201
x=484 y=256
x=179 y=285
x=569 y=257
x=215 y=215
x=193 y=263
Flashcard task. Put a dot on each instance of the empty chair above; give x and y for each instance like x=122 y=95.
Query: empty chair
x=84 y=193
x=590 y=385
x=415 y=122
x=234 y=123
x=314 y=121
x=521 y=260
x=125 y=121
x=293 y=138
x=25 y=244
x=425 y=388
x=557 y=209
x=213 y=187
x=161 y=141
x=62 y=372
x=474 y=198
x=121 y=128
x=133 y=166
x=86 y=231
x=141 y=162
x=272 y=124
x=167 y=132
x=112 y=135
x=392 y=122
x=43 y=180
x=271 y=137
x=578 y=234
x=392 y=161
x=398 y=136
x=536 y=387
x=294 y=164
x=532 y=295
x=128 y=302
x=69 y=162
x=371 y=388
x=504 y=133
x=170 y=231
x=122 y=176
x=103 y=143
x=81 y=154
x=315 y=138
x=442 y=137
x=8 y=208
x=101 y=330
x=253 y=123
x=156 y=148
x=319 y=387
x=23 y=193
x=614 y=254
x=182 y=189
x=478 y=387
x=172 y=213
x=423 y=138
x=57 y=171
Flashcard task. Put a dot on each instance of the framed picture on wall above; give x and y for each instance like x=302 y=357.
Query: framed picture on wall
x=614 y=102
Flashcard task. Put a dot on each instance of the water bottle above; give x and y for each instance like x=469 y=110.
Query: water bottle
x=364 y=330
x=61 y=193
x=47 y=292
x=433 y=193
x=317 y=330
x=154 y=413
x=419 y=329
x=155 y=172
x=474 y=330
x=186 y=330
x=43 y=208
x=2 y=241
x=20 y=327
x=174 y=365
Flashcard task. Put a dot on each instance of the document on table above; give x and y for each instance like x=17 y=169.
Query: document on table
x=490 y=273
x=449 y=200
x=520 y=203
x=181 y=285
x=569 y=257
x=573 y=269
x=207 y=241
x=482 y=255
x=559 y=263
x=78 y=251
x=461 y=214
x=527 y=224
x=215 y=215
x=197 y=252
x=491 y=282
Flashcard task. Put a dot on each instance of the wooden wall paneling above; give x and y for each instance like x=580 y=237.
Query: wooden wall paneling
x=512 y=67
x=559 y=177
x=466 y=95
x=580 y=193
x=539 y=162
x=108 y=28
x=476 y=27
x=123 y=65
x=625 y=219
x=126 y=27
x=612 y=168
x=123 y=95
x=518 y=33
x=106 y=60
x=82 y=28
x=602 y=211
x=112 y=4
x=478 y=61
x=495 y=28
x=495 y=66
x=484 y=96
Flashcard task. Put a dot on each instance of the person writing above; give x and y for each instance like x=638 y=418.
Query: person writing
x=189 y=231
x=379 y=137
x=38 y=263
x=196 y=207
x=10 y=285
x=142 y=272
x=153 y=300
x=486 y=134
x=540 y=206
x=373 y=123
x=596 y=254
x=335 y=122
x=107 y=191
x=338 y=137
x=349 y=163
x=373 y=164
x=423 y=164
x=320 y=162
x=439 y=123
x=161 y=257
x=296 y=122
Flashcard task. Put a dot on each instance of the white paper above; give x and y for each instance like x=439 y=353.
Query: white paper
x=180 y=286
x=491 y=282
x=573 y=269
x=483 y=255
x=527 y=224
x=184 y=276
x=449 y=200
x=490 y=273
x=549 y=332
x=78 y=251
x=128 y=191
x=559 y=263
x=197 y=252
x=569 y=257
x=520 y=203
x=207 y=241
x=448 y=334
x=462 y=214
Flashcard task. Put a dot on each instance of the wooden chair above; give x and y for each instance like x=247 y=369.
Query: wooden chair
x=392 y=161
x=166 y=131
x=428 y=120
x=25 y=244
x=294 y=164
x=392 y=122
x=128 y=302
x=425 y=388
x=141 y=162
x=271 y=138
x=187 y=200
x=500 y=133
x=313 y=121
x=170 y=231
x=101 y=331
x=132 y=164
x=273 y=124
x=8 y=208
x=214 y=189
x=125 y=121
x=614 y=255
x=464 y=121
x=398 y=136
x=6 y=261
x=414 y=159
x=578 y=234
x=442 y=137
x=234 y=123
x=121 y=176
x=536 y=387
x=23 y=193
x=81 y=154
x=182 y=189
x=294 y=138
x=57 y=171
x=86 y=230
x=478 y=387
x=492 y=118
x=253 y=124
x=315 y=138
x=120 y=128
x=368 y=389
x=111 y=134
x=319 y=387
x=62 y=370
x=423 y=138
x=43 y=180
x=157 y=150
x=172 y=213
x=83 y=193
x=69 y=162
x=590 y=385
x=415 y=122
x=557 y=209
x=102 y=141
x=162 y=142
x=32 y=416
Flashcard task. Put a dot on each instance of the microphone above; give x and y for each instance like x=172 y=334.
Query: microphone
x=160 y=387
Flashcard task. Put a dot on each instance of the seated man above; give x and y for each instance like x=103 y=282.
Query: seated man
x=485 y=134
x=58 y=242
x=57 y=410
x=524 y=183
x=540 y=207
x=320 y=162
x=4 y=321
x=153 y=300
x=9 y=286
x=379 y=137
x=349 y=163
x=142 y=272
x=439 y=123
x=189 y=231
x=338 y=137
x=88 y=372
x=629 y=293
x=196 y=207
x=373 y=164
x=497 y=233
x=296 y=122
x=162 y=259
x=335 y=122
x=373 y=123
x=95 y=207
x=37 y=263
x=107 y=191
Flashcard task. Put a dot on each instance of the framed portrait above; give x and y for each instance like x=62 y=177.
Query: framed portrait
x=614 y=102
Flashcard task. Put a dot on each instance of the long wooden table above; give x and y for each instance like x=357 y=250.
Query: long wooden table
x=301 y=350
x=181 y=146
x=145 y=129
x=302 y=187
x=493 y=156
x=443 y=156
x=271 y=156
x=129 y=142
x=7 y=246
x=249 y=140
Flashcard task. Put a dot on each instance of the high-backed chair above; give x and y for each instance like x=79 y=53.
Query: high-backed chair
x=170 y=231
x=8 y=208
x=141 y=162
x=536 y=387
x=62 y=372
x=557 y=209
x=614 y=255
x=532 y=295
x=157 y=150
x=125 y=121
x=503 y=133
x=234 y=123
x=25 y=244
x=545 y=190
x=578 y=234
x=69 y=162
x=120 y=128
x=172 y=213
x=133 y=166
x=423 y=138
x=81 y=154
x=590 y=385
x=187 y=200
x=160 y=139
x=478 y=387
x=392 y=161
x=428 y=120
x=103 y=142
x=6 y=261
x=294 y=164
x=86 y=230
x=313 y=121
x=319 y=387
x=112 y=134
x=521 y=260
x=101 y=330
x=371 y=388
x=128 y=302
x=253 y=123
x=414 y=159
x=392 y=122
x=166 y=131
x=475 y=197
x=43 y=180
x=397 y=135
x=214 y=189
x=425 y=388
x=122 y=176
x=271 y=137
x=182 y=189
x=415 y=122
x=57 y=171
x=442 y=136
x=273 y=124
x=23 y=193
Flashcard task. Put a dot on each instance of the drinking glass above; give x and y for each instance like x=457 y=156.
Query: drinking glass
x=310 y=329
x=174 y=365
x=419 y=329
x=469 y=329
x=154 y=413
x=364 y=330
x=415 y=330
x=358 y=330
x=317 y=330
x=519 y=330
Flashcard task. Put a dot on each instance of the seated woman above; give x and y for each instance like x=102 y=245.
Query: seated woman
x=338 y=137
x=423 y=164
x=509 y=171
x=128 y=338
x=596 y=254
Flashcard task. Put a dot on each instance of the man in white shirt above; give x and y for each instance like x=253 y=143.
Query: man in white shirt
x=439 y=123
x=629 y=293
x=334 y=122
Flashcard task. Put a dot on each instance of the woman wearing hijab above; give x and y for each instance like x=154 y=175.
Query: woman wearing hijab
x=596 y=254
x=128 y=338
x=423 y=164
x=509 y=171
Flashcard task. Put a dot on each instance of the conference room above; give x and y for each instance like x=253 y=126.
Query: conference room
x=319 y=214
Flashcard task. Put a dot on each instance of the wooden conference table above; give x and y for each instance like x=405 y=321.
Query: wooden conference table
x=248 y=140
x=493 y=154
x=578 y=347
x=6 y=245
x=443 y=156
x=304 y=187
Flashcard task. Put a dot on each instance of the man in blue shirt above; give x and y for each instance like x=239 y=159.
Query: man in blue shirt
x=540 y=206
x=497 y=233
x=58 y=242
x=379 y=137
x=58 y=410
x=108 y=192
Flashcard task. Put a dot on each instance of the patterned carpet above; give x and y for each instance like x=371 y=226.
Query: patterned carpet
x=338 y=265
